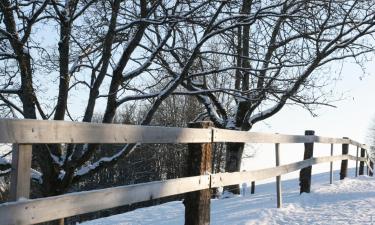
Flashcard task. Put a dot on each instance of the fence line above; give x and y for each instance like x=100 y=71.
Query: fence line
x=40 y=210
x=28 y=131
x=51 y=208
x=24 y=133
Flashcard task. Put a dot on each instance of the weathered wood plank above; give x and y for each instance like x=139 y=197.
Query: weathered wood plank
x=46 y=209
x=223 y=179
x=39 y=131
x=20 y=174
x=329 y=140
x=199 y=162
x=221 y=135
x=40 y=210
x=357 y=144
x=305 y=173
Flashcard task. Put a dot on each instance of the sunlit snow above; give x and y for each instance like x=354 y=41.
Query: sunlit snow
x=351 y=201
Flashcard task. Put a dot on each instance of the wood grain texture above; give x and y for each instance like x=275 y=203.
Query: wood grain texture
x=38 y=131
x=41 y=131
x=221 y=135
x=26 y=132
x=223 y=179
x=20 y=174
x=199 y=162
x=40 y=210
x=46 y=209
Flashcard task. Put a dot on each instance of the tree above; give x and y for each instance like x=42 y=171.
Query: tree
x=109 y=55
x=271 y=53
x=242 y=60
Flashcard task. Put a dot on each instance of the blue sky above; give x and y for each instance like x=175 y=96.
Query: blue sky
x=352 y=114
x=351 y=118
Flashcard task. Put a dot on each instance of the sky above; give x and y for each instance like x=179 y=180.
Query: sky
x=351 y=118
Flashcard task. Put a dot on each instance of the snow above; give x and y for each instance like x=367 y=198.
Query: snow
x=25 y=51
x=4 y=149
x=56 y=159
x=350 y=201
x=3 y=161
x=265 y=112
x=62 y=174
x=36 y=175
x=5 y=158
x=86 y=169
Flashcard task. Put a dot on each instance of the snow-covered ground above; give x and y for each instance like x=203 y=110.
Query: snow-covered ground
x=351 y=201
x=4 y=150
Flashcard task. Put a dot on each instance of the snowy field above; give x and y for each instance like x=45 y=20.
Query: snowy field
x=4 y=150
x=351 y=201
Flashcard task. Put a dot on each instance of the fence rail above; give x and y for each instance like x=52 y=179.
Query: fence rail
x=48 y=132
x=24 y=133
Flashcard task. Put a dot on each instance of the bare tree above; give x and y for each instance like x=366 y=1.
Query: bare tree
x=271 y=53
x=242 y=60
x=104 y=48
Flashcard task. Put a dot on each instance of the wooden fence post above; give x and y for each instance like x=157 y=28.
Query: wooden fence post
x=344 y=163
x=278 y=178
x=331 y=167
x=20 y=174
x=305 y=173
x=356 y=163
x=362 y=163
x=252 y=187
x=197 y=204
x=371 y=174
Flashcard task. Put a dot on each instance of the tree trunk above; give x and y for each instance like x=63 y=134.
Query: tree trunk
x=233 y=163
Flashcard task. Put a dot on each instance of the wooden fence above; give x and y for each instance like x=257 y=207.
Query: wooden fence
x=24 y=133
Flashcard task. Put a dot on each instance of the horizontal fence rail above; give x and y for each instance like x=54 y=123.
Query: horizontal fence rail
x=24 y=133
x=224 y=179
x=51 y=208
x=48 y=132
x=222 y=135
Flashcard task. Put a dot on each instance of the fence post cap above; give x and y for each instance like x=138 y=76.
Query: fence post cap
x=309 y=132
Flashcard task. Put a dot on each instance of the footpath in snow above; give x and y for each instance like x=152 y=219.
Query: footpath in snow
x=351 y=201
